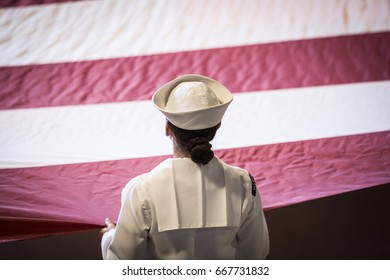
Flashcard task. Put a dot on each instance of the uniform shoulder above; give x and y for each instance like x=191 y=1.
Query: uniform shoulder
x=245 y=177
x=238 y=171
x=142 y=179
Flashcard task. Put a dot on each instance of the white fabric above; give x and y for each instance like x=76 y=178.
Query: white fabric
x=193 y=119
x=74 y=134
x=188 y=96
x=87 y=30
x=181 y=210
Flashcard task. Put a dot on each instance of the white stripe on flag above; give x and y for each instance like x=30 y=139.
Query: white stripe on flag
x=73 y=134
x=106 y=29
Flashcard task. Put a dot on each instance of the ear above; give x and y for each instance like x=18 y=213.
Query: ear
x=168 y=131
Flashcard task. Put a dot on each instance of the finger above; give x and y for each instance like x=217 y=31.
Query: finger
x=109 y=224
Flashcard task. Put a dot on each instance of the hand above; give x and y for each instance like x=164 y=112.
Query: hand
x=109 y=225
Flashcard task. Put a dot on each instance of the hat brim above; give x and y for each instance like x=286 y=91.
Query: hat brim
x=194 y=119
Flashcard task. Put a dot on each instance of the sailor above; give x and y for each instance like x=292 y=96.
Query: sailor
x=194 y=205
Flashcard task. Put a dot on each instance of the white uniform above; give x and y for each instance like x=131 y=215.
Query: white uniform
x=182 y=210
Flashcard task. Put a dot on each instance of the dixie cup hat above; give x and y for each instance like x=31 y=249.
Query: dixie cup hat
x=193 y=102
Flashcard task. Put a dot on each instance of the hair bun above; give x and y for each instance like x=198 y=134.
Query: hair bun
x=195 y=143
x=200 y=150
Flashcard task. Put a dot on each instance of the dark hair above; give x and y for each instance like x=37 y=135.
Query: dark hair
x=196 y=143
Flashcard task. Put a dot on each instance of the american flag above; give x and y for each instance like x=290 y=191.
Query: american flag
x=310 y=116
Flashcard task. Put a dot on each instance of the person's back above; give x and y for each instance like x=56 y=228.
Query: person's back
x=195 y=212
x=193 y=206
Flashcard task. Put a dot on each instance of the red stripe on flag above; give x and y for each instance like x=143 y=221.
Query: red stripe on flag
x=21 y=3
x=287 y=173
x=334 y=60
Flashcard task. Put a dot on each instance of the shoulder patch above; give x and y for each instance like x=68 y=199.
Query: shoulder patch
x=254 y=188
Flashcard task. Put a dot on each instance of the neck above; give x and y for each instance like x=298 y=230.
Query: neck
x=178 y=153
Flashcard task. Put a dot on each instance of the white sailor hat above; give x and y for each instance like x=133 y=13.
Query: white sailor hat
x=193 y=102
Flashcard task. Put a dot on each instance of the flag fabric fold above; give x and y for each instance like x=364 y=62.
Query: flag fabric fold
x=310 y=117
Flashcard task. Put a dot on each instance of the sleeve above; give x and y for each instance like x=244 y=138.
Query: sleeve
x=129 y=239
x=252 y=237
